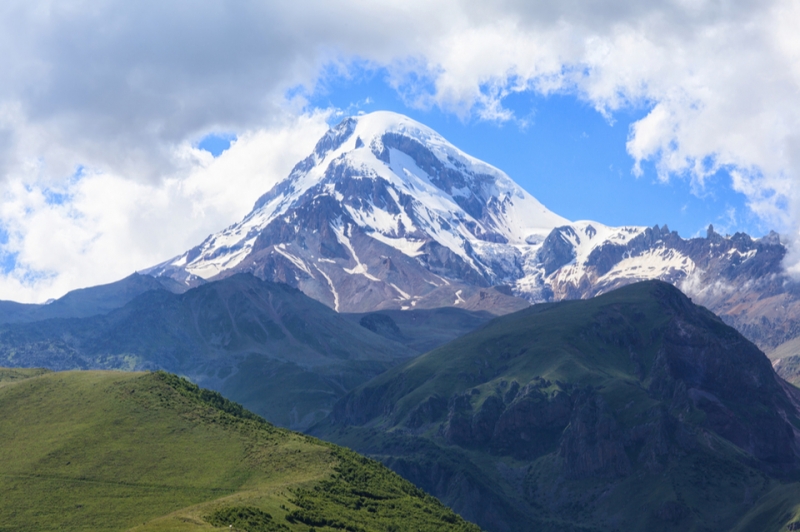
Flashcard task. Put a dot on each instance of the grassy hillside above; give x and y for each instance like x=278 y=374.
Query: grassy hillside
x=150 y=451
x=636 y=410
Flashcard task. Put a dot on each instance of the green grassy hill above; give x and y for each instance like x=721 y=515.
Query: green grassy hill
x=150 y=451
x=635 y=410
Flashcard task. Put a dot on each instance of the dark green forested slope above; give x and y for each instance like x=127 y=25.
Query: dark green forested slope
x=117 y=451
x=636 y=410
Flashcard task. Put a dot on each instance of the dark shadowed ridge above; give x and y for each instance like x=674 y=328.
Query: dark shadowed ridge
x=267 y=345
x=635 y=410
x=86 y=302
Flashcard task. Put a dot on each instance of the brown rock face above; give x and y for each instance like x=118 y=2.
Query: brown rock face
x=532 y=423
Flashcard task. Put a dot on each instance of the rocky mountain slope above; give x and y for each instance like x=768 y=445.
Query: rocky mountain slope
x=739 y=278
x=786 y=360
x=86 y=451
x=635 y=410
x=267 y=345
x=386 y=214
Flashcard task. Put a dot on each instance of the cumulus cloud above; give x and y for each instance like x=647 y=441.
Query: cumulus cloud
x=720 y=82
x=98 y=227
x=121 y=89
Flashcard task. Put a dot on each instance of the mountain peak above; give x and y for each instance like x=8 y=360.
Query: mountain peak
x=377 y=123
x=380 y=132
x=373 y=125
x=394 y=206
x=404 y=153
x=386 y=213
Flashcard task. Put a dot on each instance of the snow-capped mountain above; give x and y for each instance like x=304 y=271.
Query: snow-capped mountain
x=385 y=213
x=739 y=278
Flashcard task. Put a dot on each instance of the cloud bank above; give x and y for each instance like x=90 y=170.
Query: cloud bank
x=123 y=89
x=98 y=227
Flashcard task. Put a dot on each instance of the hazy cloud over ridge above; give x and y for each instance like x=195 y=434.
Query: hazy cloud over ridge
x=123 y=88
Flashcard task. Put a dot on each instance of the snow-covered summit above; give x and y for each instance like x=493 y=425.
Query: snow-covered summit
x=404 y=185
x=414 y=159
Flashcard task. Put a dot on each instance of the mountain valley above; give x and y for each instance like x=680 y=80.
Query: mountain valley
x=282 y=354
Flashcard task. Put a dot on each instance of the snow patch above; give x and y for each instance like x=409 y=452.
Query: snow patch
x=360 y=268
x=332 y=287
x=459 y=299
x=404 y=295
x=281 y=248
x=403 y=245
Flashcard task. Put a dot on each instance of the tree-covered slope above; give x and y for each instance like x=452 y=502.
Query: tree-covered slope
x=635 y=410
x=118 y=451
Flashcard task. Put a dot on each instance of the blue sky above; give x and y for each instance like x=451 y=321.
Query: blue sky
x=566 y=154
x=560 y=149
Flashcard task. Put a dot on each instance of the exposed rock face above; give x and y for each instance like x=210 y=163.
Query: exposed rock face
x=592 y=444
x=532 y=421
x=493 y=423
x=458 y=428
x=725 y=376
x=429 y=411
x=557 y=249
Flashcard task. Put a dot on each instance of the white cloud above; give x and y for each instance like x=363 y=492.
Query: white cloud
x=121 y=88
x=99 y=227
x=721 y=81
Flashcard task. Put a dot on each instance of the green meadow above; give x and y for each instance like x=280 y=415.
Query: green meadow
x=150 y=451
